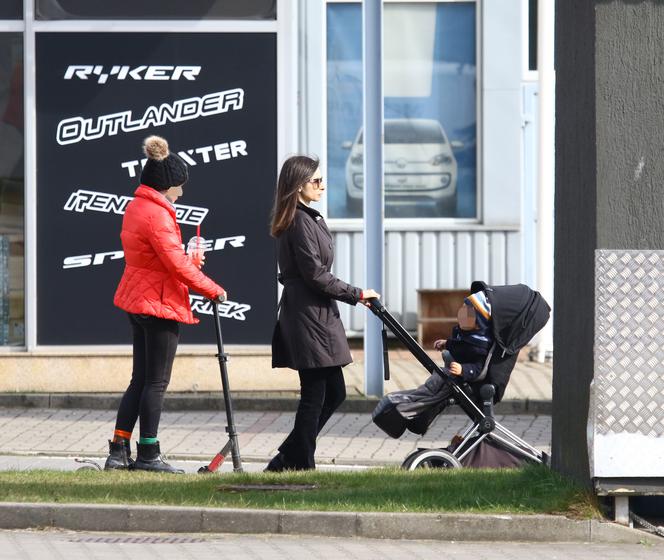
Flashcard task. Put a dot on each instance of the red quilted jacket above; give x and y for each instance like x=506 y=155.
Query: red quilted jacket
x=157 y=271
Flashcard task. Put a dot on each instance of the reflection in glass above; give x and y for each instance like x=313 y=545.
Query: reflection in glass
x=430 y=110
x=419 y=163
x=150 y=9
x=12 y=324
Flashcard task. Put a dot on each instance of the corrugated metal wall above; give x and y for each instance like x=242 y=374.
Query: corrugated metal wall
x=427 y=259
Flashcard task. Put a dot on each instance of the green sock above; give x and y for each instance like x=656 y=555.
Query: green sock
x=147 y=440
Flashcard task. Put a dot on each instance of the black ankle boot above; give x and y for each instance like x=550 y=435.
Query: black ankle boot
x=117 y=456
x=277 y=464
x=149 y=459
x=130 y=461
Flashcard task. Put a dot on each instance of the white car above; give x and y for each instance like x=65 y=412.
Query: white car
x=419 y=166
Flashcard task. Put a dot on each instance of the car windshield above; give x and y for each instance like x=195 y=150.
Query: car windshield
x=411 y=132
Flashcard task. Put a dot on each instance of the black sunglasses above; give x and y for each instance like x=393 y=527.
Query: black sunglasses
x=317 y=182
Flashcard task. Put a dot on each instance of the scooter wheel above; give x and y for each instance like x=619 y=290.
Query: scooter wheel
x=88 y=465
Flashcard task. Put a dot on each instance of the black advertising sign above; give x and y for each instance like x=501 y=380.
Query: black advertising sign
x=213 y=97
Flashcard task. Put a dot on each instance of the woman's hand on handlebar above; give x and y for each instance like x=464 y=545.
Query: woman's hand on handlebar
x=369 y=294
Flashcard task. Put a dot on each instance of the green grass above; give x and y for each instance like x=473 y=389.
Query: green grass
x=534 y=489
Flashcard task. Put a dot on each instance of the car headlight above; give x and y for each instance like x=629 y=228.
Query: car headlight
x=441 y=159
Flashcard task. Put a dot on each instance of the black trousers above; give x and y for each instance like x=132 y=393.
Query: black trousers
x=321 y=392
x=155 y=342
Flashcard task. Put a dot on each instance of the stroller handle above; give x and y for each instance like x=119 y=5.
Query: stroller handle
x=400 y=332
x=376 y=306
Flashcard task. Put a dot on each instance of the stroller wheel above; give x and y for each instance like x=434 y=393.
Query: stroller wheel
x=409 y=458
x=431 y=459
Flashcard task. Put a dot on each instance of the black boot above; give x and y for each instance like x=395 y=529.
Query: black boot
x=277 y=464
x=280 y=463
x=149 y=459
x=130 y=461
x=117 y=456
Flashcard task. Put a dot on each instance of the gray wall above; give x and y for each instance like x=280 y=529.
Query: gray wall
x=609 y=181
x=630 y=124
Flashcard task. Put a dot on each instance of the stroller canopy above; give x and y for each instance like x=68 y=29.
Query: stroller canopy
x=517 y=314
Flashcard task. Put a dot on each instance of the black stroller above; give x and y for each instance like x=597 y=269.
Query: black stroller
x=518 y=313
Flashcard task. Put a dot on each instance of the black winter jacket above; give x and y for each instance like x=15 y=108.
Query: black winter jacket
x=471 y=355
x=309 y=332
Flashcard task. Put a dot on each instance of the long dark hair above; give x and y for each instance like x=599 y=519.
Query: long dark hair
x=295 y=172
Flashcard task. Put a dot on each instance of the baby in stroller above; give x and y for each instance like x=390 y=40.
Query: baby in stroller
x=471 y=339
x=465 y=355
x=495 y=323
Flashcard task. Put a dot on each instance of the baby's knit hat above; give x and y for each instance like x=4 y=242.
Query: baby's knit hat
x=482 y=307
x=163 y=169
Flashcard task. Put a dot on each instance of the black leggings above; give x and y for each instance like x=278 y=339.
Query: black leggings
x=155 y=343
x=322 y=390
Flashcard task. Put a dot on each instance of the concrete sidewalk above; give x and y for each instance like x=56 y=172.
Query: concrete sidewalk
x=192 y=425
x=195 y=385
x=347 y=439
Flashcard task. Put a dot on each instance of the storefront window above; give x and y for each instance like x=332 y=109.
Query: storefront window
x=11 y=9
x=429 y=77
x=149 y=9
x=12 y=323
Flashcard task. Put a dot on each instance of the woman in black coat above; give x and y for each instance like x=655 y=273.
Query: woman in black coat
x=309 y=336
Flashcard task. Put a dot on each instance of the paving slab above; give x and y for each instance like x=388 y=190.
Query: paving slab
x=349 y=438
x=267 y=389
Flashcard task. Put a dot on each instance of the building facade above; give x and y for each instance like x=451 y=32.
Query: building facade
x=238 y=89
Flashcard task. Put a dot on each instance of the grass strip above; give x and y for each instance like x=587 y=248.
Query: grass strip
x=533 y=489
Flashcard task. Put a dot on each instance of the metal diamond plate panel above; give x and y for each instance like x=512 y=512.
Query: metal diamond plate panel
x=629 y=342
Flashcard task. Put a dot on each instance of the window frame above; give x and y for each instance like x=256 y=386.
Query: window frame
x=319 y=147
x=528 y=74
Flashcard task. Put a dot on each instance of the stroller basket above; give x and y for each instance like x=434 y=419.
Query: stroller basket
x=485 y=442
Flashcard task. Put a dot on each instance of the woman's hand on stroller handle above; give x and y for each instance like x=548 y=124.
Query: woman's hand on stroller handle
x=368 y=295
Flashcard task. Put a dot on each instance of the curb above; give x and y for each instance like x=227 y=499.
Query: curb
x=214 y=401
x=443 y=527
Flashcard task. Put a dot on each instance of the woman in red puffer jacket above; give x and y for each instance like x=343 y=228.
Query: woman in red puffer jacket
x=154 y=291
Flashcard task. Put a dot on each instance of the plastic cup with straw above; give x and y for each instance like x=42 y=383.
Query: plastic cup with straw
x=196 y=248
